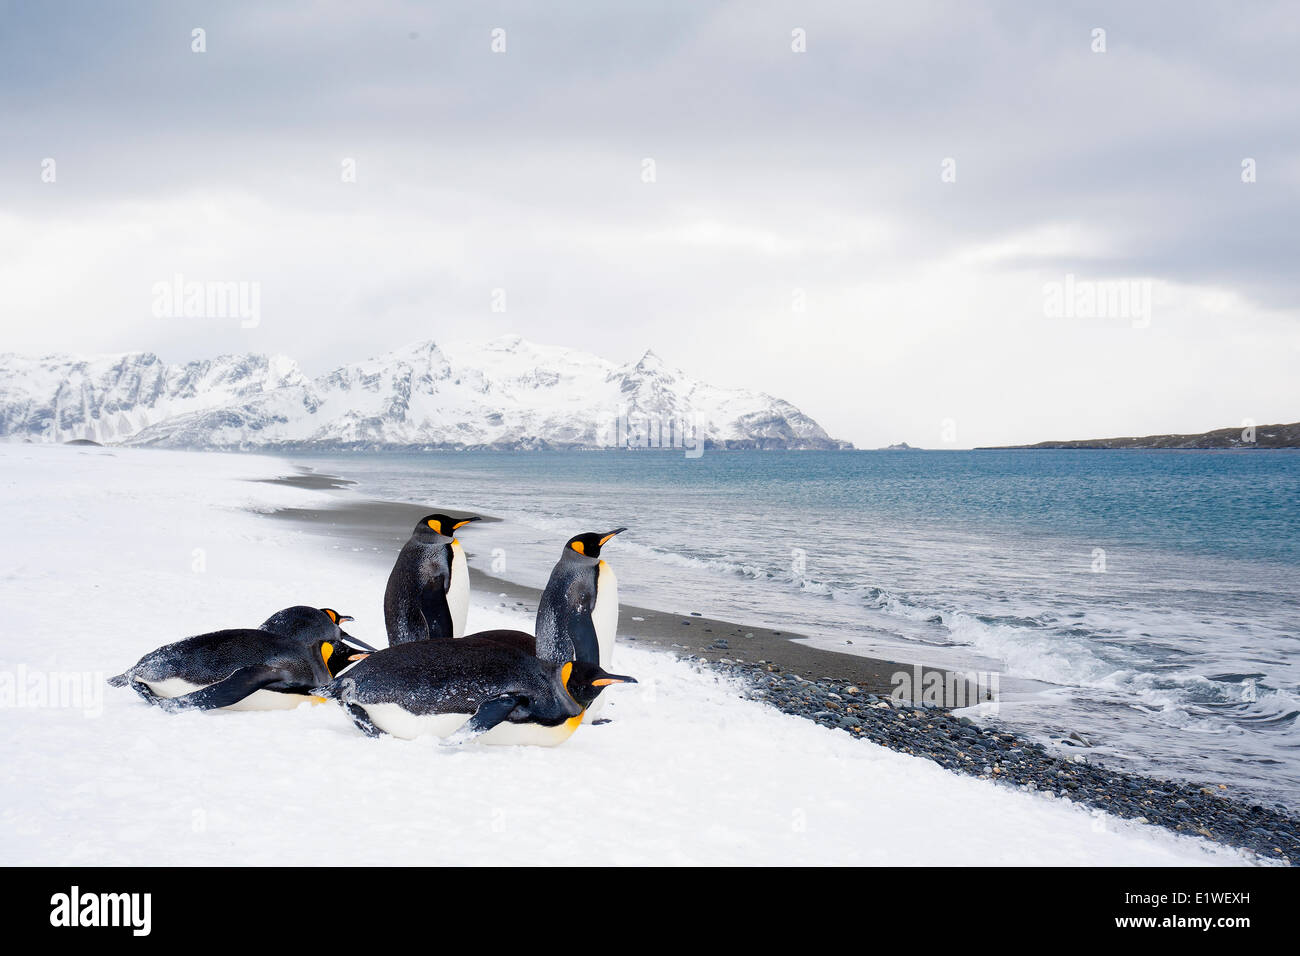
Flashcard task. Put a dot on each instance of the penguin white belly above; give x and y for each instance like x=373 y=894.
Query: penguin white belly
x=172 y=687
x=397 y=720
x=258 y=700
x=604 y=618
x=506 y=734
x=458 y=592
x=262 y=699
x=400 y=722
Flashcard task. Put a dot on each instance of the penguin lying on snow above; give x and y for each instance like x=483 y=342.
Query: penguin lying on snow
x=577 y=615
x=490 y=690
x=272 y=667
x=311 y=624
x=427 y=597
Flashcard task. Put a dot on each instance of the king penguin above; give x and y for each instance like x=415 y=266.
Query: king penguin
x=476 y=688
x=577 y=616
x=427 y=597
x=307 y=624
x=265 y=668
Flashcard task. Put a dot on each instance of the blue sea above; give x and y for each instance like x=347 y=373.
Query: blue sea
x=1148 y=601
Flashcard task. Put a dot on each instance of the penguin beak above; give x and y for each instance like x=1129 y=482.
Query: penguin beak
x=354 y=641
x=606 y=537
x=464 y=521
x=613 y=679
x=346 y=617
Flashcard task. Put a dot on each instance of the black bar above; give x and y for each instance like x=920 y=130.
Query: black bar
x=336 y=905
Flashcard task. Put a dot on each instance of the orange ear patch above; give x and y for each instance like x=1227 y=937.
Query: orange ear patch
x=577 y=546
x=564 y=681
x=435 y=524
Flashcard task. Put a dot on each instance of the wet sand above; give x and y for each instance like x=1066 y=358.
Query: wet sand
x=386 y=525
x=309 y=480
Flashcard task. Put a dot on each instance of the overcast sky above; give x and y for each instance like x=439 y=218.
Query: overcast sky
x=781 y=178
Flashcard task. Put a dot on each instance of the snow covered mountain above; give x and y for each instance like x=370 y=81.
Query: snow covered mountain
x=506 y=393
x=110 y=398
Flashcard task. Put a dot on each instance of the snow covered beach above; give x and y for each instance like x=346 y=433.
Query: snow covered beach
x=112 y=552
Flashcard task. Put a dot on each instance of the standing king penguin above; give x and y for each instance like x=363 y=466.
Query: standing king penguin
x=427 y=597
x=577 y=616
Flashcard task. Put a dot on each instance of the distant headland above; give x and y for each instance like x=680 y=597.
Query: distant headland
x=1246 y=436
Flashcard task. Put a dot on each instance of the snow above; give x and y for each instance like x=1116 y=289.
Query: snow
x=111 y=397
x=110 y=553
x=506 y=391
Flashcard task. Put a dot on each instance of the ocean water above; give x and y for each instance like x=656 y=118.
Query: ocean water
x=1149 y=601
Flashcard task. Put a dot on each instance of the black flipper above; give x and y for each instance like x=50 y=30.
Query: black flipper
x=586 y=646
x=489 y=714
x=232 y=690
x=362 y=720
x=433 y=605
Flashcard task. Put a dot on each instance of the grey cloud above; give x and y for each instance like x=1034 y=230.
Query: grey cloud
x=535 y=154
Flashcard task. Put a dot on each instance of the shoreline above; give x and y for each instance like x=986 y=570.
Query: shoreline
x=387 y=524
x=855 y=694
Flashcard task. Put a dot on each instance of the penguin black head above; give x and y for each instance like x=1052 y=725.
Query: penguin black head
x=443 y=525
x=305 y=623
x=338 y=620
x=586 y=681
x=327 y=658
x=301 y=620
x=336 y=656
x=588 y=545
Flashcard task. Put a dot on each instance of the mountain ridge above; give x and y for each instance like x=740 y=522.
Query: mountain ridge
x=505 y=393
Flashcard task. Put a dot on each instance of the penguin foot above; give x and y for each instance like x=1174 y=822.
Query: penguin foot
x=141 y=688
x=602 y=720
